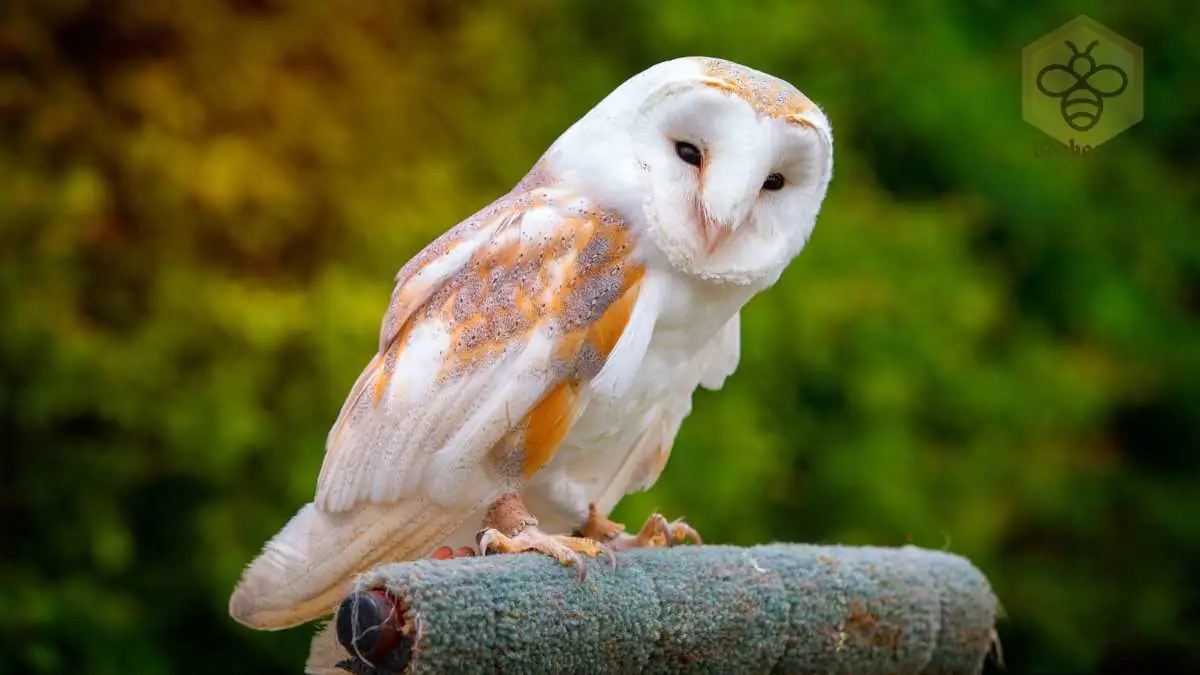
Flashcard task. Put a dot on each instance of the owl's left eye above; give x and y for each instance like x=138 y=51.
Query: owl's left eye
x=773 y=182
x=689 y=153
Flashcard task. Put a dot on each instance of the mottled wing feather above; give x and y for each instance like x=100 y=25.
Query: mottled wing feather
x=484 y=348
x=438 y=261
x=415 y=283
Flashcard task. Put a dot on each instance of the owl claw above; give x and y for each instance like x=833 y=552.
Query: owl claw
x=568 y=551
x=657 y=532
x=610 y=553
x=682 y=533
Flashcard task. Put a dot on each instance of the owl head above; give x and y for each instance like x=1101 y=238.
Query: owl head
x=722 y=166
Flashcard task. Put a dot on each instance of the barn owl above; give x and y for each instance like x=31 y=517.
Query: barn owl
x=536 y=361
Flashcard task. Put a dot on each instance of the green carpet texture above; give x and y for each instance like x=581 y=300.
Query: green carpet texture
x=781 y=608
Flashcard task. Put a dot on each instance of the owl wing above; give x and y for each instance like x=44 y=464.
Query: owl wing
x=490 y=336
x=495 y=338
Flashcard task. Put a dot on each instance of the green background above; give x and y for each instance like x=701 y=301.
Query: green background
x=202 y=206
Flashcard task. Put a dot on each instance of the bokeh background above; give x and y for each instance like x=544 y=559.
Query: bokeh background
x=202 y=206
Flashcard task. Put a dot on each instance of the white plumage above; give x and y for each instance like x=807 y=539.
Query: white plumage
x=548 y=346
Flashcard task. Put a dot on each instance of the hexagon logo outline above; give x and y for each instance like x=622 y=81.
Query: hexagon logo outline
x=1082 y=84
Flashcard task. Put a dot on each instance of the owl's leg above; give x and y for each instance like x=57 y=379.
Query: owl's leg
x=508 y=527
x=568 y=501
x=656 y=531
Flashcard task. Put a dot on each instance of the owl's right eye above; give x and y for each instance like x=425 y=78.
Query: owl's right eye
x=688 y=153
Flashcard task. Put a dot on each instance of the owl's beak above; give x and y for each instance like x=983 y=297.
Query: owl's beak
x=725 y=200
x=715 y=233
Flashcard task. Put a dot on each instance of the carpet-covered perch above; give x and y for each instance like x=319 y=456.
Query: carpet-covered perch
x=781 y=608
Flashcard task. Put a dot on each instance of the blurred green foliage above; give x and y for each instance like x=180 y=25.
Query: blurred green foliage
x=202 y=206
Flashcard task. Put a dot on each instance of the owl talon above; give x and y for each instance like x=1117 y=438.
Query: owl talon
x=484 y=540
x=609 y=552
x=568 y=551
x=657 y=532
x=682 y=533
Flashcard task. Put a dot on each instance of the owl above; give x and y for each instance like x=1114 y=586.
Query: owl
x=536 y=361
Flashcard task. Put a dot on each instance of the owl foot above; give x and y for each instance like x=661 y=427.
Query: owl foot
x=569 y=551
x=508 y=527
x=656 y=532
x=599 y=527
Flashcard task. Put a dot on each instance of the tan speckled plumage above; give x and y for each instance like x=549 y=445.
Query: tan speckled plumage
x=769 y=96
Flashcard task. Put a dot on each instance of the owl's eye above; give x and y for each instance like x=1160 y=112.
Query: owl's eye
x=688 y=153
x=773 y=182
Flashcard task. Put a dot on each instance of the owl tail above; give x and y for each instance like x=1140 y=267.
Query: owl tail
x=305 y=570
